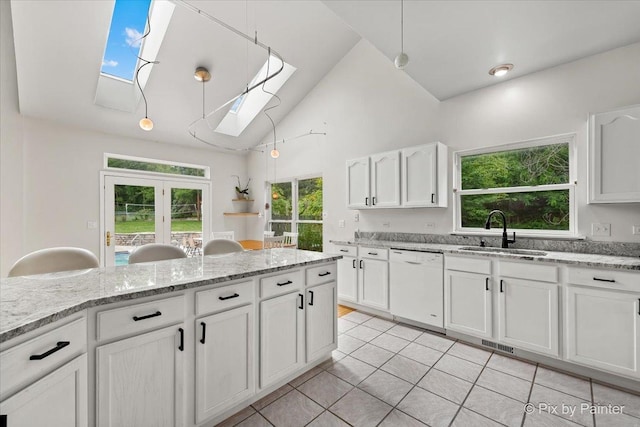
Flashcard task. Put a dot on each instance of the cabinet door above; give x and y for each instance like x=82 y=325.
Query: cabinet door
x=614 y=152
x=467 y=299
x=348 y=279
x=224 y=360
x=528 y=315
x=419 y=176
x=140 y=380
x=321 y=322
x=374 y=283
x=281 y=337
x=358 y=183
x=58 y=399
x=385 y=180
x=603 y=329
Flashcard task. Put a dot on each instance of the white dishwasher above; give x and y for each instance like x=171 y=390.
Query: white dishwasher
x=416 y=286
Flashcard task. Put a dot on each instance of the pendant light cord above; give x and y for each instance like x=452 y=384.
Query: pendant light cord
x=401 y=25
x=141 y=59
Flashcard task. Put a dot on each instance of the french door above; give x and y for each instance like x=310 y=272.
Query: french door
x=139 y=211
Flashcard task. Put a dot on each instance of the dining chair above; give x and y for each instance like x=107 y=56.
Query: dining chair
x=273 y=242
x=229 y=235
x=52 y=260
x=221 y=246
x=155 y=252
x=290 y=239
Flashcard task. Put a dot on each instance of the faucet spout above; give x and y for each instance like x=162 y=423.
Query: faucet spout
x=505 y=239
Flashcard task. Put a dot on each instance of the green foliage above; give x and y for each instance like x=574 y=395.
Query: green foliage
x=154 y=167
x=130 y=227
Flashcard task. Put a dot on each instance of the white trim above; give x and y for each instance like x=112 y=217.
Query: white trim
x=107 y=156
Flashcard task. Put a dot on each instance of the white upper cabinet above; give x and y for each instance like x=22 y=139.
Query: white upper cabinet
x=424 y=176
x=614 y=150
x=358 y=183
x=385 y=180
x=414 y=177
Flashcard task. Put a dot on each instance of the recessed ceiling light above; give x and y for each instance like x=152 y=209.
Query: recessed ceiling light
x=500 y=70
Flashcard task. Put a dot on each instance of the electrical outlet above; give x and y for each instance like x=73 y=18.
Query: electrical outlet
x=430 y=226
x=356 y=217
x=341 y=223
x=600 y=229
x=636 y=229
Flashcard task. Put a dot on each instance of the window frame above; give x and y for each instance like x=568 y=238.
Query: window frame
x=107 y=156
x=458 y=192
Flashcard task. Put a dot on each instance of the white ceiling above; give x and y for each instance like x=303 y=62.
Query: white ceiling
x=451 y=45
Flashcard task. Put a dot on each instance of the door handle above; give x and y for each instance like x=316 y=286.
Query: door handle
x=311 y=299
x=501 y=290
x=354 y=263
x=373 y=200
x=204 y=332
x=433 y=198
x=366 y=201
x=301 y=306
x=181 y=346
x=486 y=284
x=361 y=264
x=108 y=238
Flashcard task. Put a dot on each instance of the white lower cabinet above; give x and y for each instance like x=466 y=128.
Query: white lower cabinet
x=58 y=399
x=603 y=329
x=363 y=276
x=321 y=320
x=140 y=380
x=348 y=279
x=224 y=360
x=281 y=337
x=528 y=315
x=468 y=303
x=373 y=283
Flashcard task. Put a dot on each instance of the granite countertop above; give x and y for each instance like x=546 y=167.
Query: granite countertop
x=29 y=302
x=584 y=260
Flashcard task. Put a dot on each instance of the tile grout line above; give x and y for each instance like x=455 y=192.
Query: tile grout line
x=533 y=381
x=593 y=402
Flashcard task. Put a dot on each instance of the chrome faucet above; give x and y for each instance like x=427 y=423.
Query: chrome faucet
x=505 y=240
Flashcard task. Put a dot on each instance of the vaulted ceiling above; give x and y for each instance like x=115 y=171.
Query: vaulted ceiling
x=451 y=45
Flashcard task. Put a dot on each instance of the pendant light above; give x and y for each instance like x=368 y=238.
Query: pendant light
x=402 y=59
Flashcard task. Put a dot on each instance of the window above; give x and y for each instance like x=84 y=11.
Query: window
x=531 y=182
x=114 y=161
x=296 y=206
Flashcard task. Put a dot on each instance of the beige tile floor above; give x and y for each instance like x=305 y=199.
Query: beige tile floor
x=393 y=375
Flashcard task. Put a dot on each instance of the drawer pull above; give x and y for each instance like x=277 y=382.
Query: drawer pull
x=148 y=316
x=181 y=346
x=288 y=282
x=413 y=262
x=344 y=250
x=311 y=299
x=486 y=284
x=604 y=280
x=324 y=274
x=59 y=346
x=372 y=253
x=301 y=306
x=204 y=332
x=235 y=295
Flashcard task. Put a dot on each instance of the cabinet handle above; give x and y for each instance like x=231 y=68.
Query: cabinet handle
x=354 y=263
x=413 y=262
x=366 y=201
x=324 y=274
x=59 y=346
x=433 y=198
x=344 y=250
x=311 y=299
x=486 y=284
x=361 y=264
x=604 y=280
x=638 y=306
x=148 y=316
x=288 y=282
x=372 y=253
x=301 y=306
x=181 y=346
x=235 y=295
x=501 y=285
x=204 y=332
x=373 y=200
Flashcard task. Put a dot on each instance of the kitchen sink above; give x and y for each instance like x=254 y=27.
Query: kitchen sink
x=503 y=251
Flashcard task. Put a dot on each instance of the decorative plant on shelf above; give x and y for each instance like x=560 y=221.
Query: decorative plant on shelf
x=242 y=192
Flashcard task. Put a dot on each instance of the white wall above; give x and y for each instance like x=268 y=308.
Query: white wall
x=370 y=107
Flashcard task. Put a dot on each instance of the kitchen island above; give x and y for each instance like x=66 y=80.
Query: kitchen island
x=182 y=342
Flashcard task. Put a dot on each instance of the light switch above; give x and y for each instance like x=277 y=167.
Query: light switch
x=636 y=229
x=341 y=223
x=92 y=225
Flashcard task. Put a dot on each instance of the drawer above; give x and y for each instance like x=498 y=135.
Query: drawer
x=374 y=253
x=601 y=278
x=472 y=265
x=224 y=298
x=525 y=270
x=346 y=250
x=138 y=318
x=27 y=362
x=281 y=283
x=321 y=274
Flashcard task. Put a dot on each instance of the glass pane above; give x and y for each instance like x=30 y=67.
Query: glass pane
x=186 y=220
x=134 y=218
x=543 y=165
x=154 y=167
x=281 y=206
x=310 y=199
x=279 y=227
x=310 y=237
x=541 y=210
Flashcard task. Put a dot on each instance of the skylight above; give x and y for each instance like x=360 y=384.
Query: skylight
x=247 y=107
x=123 y=45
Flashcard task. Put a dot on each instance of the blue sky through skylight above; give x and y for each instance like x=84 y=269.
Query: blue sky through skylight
x=127 y=26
